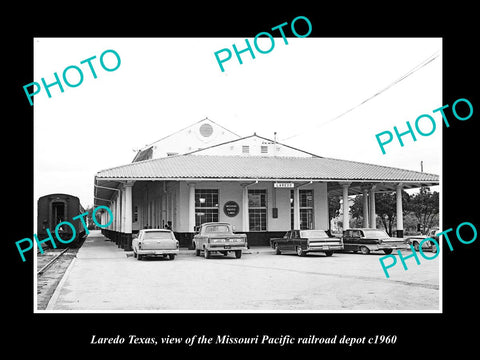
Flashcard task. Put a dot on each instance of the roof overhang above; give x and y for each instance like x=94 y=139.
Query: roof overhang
x=201 y=168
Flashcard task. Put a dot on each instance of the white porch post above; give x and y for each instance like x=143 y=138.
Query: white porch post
x=113 y=207
x=373 y=215
x=123 y=210
x=127 y=227
x=365 y=207
x=296 y=208
x=245 y=220
x=399 y=211
x=346 y=207
x=118 y=218
x=118 y=213
x=191 y=208
x=128 y=208
x=164 y=204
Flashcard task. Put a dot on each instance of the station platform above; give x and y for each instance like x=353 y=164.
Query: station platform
x=101 y=270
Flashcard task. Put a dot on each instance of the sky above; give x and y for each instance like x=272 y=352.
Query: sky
x=297 y=90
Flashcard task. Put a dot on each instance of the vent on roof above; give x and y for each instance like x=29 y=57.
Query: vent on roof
x=206 y=130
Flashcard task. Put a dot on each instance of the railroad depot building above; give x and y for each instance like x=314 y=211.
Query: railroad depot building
x=206 y=173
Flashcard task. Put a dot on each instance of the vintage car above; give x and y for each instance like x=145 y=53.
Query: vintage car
x=415 y=240
x=366 y=240
x=305 y=241
x=218 y=237
x=155 y=242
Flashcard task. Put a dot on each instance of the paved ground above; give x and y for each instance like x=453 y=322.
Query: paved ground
x=103 y=277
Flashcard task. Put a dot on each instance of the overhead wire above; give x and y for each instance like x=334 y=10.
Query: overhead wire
x=403 y=77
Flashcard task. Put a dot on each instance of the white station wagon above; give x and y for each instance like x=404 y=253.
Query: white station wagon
x=155 y=242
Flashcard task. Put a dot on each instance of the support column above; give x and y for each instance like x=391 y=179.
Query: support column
x=399 y=211
x=191 y=208
x=245 y=220
x=164 y=209
x=372 y=212
x=114 y=212
x=365 y=208
x=346 y=207
x=123 y=210
x=296 y=208
x=128 y=217
x=118 y=230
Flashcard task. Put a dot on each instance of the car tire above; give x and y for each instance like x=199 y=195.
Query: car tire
x=197 y=252
x=387 y=251
x=139 y=257
x=300 y=251
x=329 y=253
x=365 y=250
x=416 y=246
x=206 y=254
x=171 y=256
x=277 y=249
x=238 y=254
x=134 y=254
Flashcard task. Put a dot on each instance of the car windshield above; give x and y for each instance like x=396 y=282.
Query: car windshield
x=217 y=229
x=313 y=234
x=375 y=233
x=157 y=235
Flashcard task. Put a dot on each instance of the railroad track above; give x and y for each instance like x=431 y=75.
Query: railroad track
x=51 y=266
x=52 y=261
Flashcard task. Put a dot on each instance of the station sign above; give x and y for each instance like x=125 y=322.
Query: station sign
x=231 y=208
x=284 y=185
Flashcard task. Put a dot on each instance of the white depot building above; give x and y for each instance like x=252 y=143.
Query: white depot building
x=206 y=172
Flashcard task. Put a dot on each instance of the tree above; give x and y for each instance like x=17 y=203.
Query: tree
x=425 y=206
x=89 y=220
x=386 y=208
x=333 y=207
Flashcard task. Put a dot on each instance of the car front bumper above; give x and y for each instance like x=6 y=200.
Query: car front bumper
x=225 y=247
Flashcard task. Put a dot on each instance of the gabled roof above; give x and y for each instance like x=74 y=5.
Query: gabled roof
x=142 y=153
x=211 y=167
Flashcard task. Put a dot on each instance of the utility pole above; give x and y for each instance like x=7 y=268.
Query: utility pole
x=275 y=144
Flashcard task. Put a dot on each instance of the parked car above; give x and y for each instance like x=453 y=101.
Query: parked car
x=415 y=240
x=218 y=237
x=155 y=242
x=366 y=240
x=305 y=241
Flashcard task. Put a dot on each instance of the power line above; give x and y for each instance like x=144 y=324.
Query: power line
x=410 y=72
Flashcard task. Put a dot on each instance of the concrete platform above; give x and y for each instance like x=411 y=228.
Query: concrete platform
x=104 y=277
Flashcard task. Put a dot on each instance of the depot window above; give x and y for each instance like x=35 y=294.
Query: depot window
x=206 y=206
x=257 y=210
x=306 y=209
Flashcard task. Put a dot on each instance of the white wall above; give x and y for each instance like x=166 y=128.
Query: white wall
x=156 y=207
x=232 y=191
x=254 y=144
x=191 y=139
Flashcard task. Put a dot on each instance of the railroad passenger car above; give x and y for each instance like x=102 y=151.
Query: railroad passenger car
x=52 y=210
